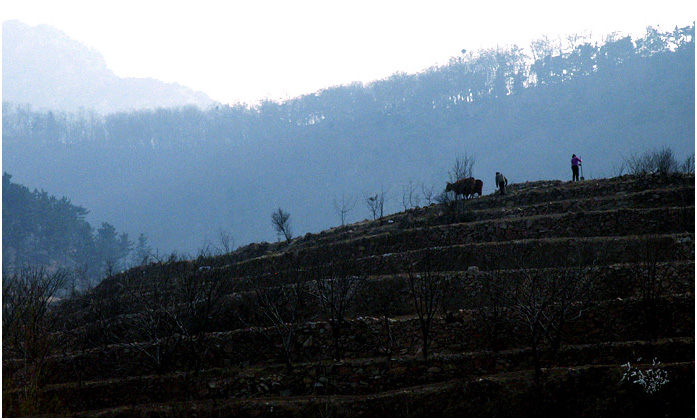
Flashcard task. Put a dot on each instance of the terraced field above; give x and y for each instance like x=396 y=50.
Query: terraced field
x=532 y=304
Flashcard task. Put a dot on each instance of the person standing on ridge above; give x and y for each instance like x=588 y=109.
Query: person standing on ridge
x=501 y=183
x=575 y=162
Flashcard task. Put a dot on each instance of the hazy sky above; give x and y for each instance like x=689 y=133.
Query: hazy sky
x=249 y=50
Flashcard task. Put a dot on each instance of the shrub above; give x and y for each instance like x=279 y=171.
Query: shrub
x=661 y=161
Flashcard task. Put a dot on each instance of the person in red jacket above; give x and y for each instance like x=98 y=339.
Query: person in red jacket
x=575 y=162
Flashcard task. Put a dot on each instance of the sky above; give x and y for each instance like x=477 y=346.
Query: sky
x=247 y=51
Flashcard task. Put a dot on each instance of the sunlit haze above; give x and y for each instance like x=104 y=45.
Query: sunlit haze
x=251 y=50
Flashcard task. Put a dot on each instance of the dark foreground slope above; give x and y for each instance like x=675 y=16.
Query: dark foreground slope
x=606 y=267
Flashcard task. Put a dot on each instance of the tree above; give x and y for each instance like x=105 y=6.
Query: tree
x=39 y=229
x=650 y=271
x=542 y=52
x=152 y=324
x=280 y=220
x=542 y=301
x=376 y=203
x=226 y=241
x=111 y=248
x=199 y=293
x=688 y=165
x=427 y=192
x=277 y=307
x=335 y=286
x=462 y=168
x=142 y=253
x=490 y=303
x=29 y=326
x=661 y=161
x=344 y=207
x=426 y=290
x=410 y=198
x=387 y=296
x=170 y=306
x=27 y=297
x=373 y=203
x=615 y=51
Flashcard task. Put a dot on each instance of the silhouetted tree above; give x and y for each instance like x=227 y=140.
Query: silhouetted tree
x=280 y=220
x=226 y=241
x=410 y=198
x=376 y=203
x=427 y=193
x=462 y=168
x=343 y=207
x=661 y=161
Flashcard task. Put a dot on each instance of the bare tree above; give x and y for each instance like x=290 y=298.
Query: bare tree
x=688 y=165
x=661 y=161
x=410 y=198
x=428 y=193
x=575 y=290
x=151 y=325
x=386 y=298
x=344 y=207
x=226 y=241
x=490 y=304
x=29 y=327
x=171 y=306
x=426 y=289
x=199 y=293
x=277 y=308
x=576 y=40
x=462 y=168
x=651 y=276
x=27 y=295
x=373 y=205
x=618 y=170
x=280 y=220
x=376 y=203
x=335 y=288
x=207 y=249
x=530 y=298
x=543 y=301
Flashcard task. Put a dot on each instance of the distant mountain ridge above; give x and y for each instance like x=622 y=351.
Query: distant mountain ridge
x=43 y=67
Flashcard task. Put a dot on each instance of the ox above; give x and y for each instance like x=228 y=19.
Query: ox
x=478 y=184
x=464 y=187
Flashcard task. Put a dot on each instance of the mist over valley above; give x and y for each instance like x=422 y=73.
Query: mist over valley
x=167 y=162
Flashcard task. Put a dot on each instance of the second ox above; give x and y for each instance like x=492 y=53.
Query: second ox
x=467 y=187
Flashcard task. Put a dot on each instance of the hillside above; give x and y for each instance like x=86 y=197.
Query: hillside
x=533 y=303
x=43 y=67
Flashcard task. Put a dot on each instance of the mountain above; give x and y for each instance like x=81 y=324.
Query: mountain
x=182 y=175
x=43 y=67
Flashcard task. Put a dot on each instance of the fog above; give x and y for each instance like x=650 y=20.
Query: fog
x=181 y=175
